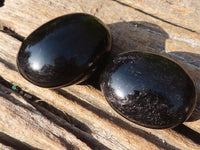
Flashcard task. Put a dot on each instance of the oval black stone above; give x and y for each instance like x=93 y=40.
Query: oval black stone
x=148 y=89
x=64 y=51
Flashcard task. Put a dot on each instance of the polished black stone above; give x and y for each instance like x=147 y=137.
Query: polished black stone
x=148 y=89
x=64 y=51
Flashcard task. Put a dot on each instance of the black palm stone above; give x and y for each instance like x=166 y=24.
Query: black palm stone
x=64 y=51
x=148 y=89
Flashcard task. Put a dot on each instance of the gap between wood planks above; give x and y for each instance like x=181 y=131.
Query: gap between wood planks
x=14 y=143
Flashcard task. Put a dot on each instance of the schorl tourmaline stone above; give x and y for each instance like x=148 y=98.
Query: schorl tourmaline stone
x=64 y=51
x=149 y=89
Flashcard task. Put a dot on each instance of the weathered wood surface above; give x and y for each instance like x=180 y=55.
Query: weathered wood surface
x=78 y=117
x=181 y=13
x=4 y=147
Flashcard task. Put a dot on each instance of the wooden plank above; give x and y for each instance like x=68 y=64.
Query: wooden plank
x=131 y=30
x=182 y=13
x=23 y=122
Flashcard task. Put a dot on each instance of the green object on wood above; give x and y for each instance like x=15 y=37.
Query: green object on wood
x=15 y=88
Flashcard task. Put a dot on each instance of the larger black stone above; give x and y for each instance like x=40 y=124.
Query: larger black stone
x=148 y=89
x=64 y=51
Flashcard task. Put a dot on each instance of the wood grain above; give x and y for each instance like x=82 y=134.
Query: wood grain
x=23 y=122
x=181 y=13
x=95 y=119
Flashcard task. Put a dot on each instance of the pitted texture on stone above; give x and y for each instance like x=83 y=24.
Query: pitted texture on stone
x=148 y=89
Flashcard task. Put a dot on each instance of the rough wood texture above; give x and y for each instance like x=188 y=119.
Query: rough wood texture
x=181 y=13
x=78 y=117
x=21 y=121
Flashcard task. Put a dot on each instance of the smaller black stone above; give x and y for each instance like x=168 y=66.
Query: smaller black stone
x=64 y=51
x=148 y=89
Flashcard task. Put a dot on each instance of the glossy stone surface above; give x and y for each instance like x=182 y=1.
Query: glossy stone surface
x=148 y=89
x=64 y=51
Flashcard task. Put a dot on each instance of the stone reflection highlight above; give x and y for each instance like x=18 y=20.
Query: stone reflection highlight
x=149 y=89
